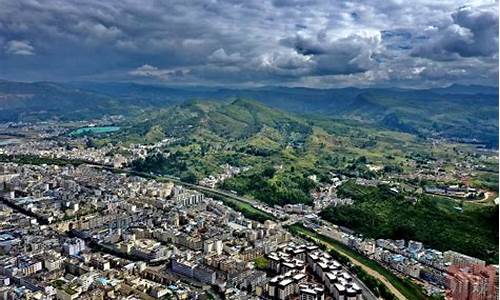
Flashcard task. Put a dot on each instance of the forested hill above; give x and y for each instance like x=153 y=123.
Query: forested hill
x=248 y=121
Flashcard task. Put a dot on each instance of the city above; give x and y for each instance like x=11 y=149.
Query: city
x=78 y=224
x=249 y=150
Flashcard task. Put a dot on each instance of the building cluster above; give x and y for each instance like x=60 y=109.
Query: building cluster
x=46 y=256
x=472 y=282
x=309 y=273
x=51 y=128
x=83 y=232
x=73 y=150
x=55 y=140
x=454 y=191
x=410 y=258
x=228 y=171
x=326 y=196
x=63 y=193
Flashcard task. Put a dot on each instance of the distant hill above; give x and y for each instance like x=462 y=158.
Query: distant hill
x=46 y=100
x=42 y=100
x=466 y=113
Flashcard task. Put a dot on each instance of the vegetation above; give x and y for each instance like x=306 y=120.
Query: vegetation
x=463 y=112
x=243 y=133
x=271 y=186
x=283 y=149
x=93 y=131
x=261 y=263
x=438 y=222
x=246 y=209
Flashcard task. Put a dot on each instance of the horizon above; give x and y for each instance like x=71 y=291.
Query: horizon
x=195 y=86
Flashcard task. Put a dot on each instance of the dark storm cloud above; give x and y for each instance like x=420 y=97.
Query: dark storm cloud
x=330 y=56
x=251 y=42
x=473 y=32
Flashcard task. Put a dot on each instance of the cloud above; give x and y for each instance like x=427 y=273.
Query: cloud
x=19 y=48
x=282 y=63
x=329 y=55
x=219 y=56
x=251 y=42
x=473 y=32
x=154 y=72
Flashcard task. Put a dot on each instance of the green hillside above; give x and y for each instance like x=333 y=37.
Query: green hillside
x=437 y=222
x=241 y=133
x=282 y=149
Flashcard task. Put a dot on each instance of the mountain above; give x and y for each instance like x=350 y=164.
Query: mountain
x=468 y=89
x=241 y=119
x=207 y=135
x=41 y=100
x=465 y=113
x=22 y=101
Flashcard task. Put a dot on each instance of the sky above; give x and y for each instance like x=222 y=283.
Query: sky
x=311 y=43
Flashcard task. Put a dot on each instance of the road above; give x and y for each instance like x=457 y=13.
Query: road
x=488 y=198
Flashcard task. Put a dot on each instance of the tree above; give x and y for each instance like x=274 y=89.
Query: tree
x=189 y=177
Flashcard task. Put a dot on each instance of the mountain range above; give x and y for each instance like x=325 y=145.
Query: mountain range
x=465 y=113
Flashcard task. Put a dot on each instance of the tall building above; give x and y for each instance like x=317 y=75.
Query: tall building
x=476 y=282
x=74 y=246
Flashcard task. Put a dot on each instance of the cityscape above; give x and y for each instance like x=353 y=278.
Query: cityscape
x=81 y=224
x=249 y=150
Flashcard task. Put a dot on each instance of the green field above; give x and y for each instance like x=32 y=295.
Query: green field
x=93 y=130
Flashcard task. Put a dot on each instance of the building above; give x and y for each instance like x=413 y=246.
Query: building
x=286 y=288
x=204 y=274
x=472 y=283
x=452 y=258
x=27 y=265
x=183 y=267
x=74 y=246
x=311 y=292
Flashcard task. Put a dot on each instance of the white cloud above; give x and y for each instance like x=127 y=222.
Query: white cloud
x=154 y=72
x=19 y=48
x=472 y=32
x=219 y=56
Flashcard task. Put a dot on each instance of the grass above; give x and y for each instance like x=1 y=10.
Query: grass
x=261 y=263
x=93 y=130
x=407 y=288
